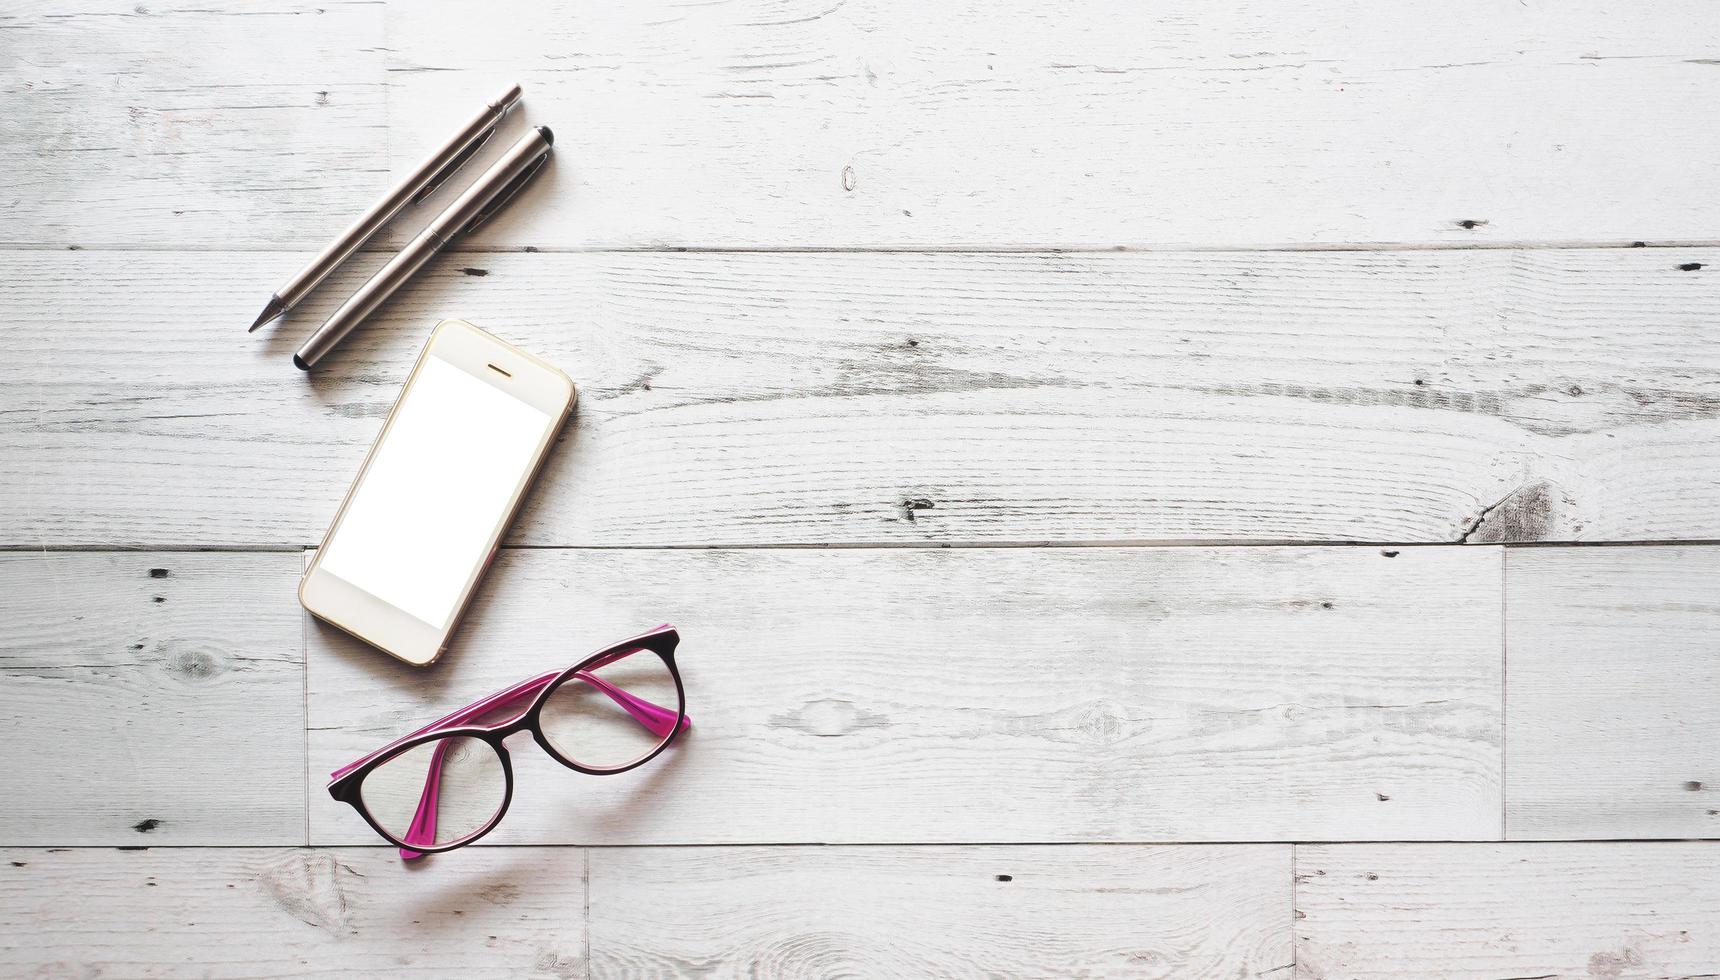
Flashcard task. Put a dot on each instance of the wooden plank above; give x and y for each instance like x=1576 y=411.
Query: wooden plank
x=1603 y=910
x=874 y=122
x=944 y=912
x=152 y=699
x=190 y=125
x=986 y=696
x=1613 y=693
x=244 y=912
x=903 y=123
x=792 y=398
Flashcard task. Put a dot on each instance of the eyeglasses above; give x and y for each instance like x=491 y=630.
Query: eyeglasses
x=450 y=782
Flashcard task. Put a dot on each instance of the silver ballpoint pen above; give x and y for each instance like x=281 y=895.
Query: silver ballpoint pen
x=415 y=186
x=484 y=198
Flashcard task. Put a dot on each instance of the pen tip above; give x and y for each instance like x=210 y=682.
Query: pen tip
x=271 y=311
x=548 y=135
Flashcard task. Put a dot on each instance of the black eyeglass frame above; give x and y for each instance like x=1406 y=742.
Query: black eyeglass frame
x=662 y=641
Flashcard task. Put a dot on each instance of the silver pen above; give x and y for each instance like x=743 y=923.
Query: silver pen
x=414 y=187
x=483 y=199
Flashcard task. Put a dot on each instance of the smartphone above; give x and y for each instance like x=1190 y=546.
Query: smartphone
x=444 y=480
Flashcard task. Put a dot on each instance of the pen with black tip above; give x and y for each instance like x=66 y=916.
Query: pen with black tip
x=415 y=186
x=484 y=198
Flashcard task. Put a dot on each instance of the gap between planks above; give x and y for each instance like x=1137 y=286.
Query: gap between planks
x=1295 y=945
x=1504 y=695
x=886 y=845
x=305 y=701
x=1529 y=245
x=1190 y=543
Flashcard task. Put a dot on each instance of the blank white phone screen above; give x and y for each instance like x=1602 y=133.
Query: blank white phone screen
x=437 y=487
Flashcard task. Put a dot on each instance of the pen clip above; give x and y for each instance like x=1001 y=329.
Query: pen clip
x=506 y=194
x=453 y=165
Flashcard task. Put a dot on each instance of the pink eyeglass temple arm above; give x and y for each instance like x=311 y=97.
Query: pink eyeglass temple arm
x=658 y=720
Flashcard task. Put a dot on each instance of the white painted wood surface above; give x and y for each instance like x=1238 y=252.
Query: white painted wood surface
x=1122 y=911
x=196 y=125
x=151 y=699
x=1099 y=274
x=876 y=122
x=1613 y=693
x=755 y=399
x=986 y=695
x=1595 y=910
x=777 y=912
x=270 y=912
x=1102 y=123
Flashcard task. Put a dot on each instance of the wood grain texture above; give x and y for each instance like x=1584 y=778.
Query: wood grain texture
x=794 y=398
x=1593 y=910
x=1103 y=122
x=245 y=912
x=1613 y=693
x=151 y=699
x=980 y=696
x=941 y=912
x=197 y=125
x=874 y=122
x=880 y=339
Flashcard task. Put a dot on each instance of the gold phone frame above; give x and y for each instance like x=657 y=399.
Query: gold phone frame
x=502 y=366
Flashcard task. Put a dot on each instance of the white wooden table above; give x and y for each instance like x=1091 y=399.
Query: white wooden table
x=1149 y=489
